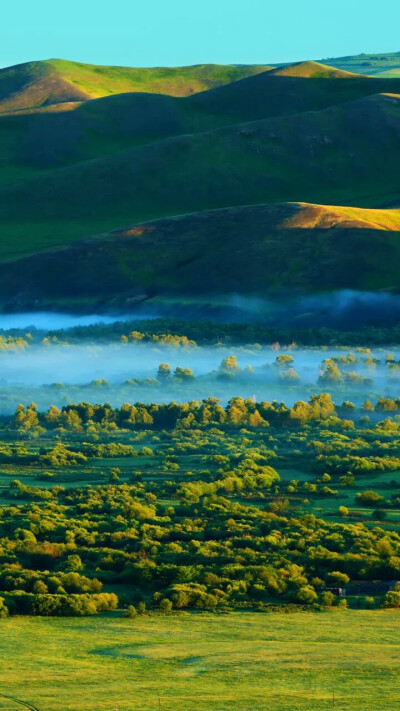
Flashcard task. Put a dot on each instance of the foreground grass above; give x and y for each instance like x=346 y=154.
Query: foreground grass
x=242 y=661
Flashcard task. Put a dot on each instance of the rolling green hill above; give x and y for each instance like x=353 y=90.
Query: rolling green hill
x=264 y=250
x=311 y=70
x=41 y=140
x=56 y=80
x=83 y=167
x=31 y=143
x=346 y=154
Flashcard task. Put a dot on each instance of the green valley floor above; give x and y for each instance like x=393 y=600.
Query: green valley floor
x=241 y=661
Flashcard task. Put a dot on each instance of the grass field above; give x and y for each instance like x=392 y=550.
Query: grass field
x=240 y=661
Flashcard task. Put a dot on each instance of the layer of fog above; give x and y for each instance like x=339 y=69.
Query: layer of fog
x=39 y=365
x=31 y=374
x=346 y=309
x=343 y=309
x=49 y=320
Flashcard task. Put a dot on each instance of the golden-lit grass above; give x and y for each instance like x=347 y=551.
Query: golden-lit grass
x=175 y=81
x=240 y=661
x=54 y=80
x=327 y=216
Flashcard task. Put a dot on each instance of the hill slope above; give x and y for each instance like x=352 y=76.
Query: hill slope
x=33 y=142
x=264 y=250
x=35 y=84
x=311 y=70
x=58 y=80
x=344 y=154
x=73 y=172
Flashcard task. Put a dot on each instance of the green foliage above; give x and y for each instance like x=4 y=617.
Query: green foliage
x=391 y=599
x=233 y=507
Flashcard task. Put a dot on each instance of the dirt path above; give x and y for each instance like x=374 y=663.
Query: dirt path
x=20 y=702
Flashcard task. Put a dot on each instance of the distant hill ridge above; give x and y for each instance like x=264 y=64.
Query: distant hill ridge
x=311 y=69
x=51 y=81
x=46 y=82
x=384 y=65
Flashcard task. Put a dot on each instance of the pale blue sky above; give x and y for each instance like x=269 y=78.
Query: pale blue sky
x=176 y=32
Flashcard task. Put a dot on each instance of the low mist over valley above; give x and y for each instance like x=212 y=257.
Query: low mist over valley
x=117 y=362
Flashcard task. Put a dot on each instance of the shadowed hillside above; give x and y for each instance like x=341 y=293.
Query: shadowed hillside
x=35 y=141
x=266 y=250
x=344 y=154
x=306 y=86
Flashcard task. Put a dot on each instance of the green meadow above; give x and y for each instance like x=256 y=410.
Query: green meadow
x=279 y=662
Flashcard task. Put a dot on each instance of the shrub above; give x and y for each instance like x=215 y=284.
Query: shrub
x=306 y=595
x=3 y=608
x=165 y=606
x=391 y=599
x=327 y=599
x=339 y=578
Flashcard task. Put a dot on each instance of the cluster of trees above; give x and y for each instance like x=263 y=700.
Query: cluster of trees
x=14 y=343
x=178 y=333
x=214 y=333
x=166 y=339
x=57 y=605
x=350 y=464
x=238 y=411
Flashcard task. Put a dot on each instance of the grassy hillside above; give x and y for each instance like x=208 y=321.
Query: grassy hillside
x=37 y=141
x=189 y=662
x=346 y=154
x=301 y=133
x=44 y=83
x=380 y=65
x=57 y=80
x=311 y=70
x=35 y=84
x=260 y=250
x=306 y=86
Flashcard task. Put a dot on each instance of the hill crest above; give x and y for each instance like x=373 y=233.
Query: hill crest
x=35 y=84
x=311 y=69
